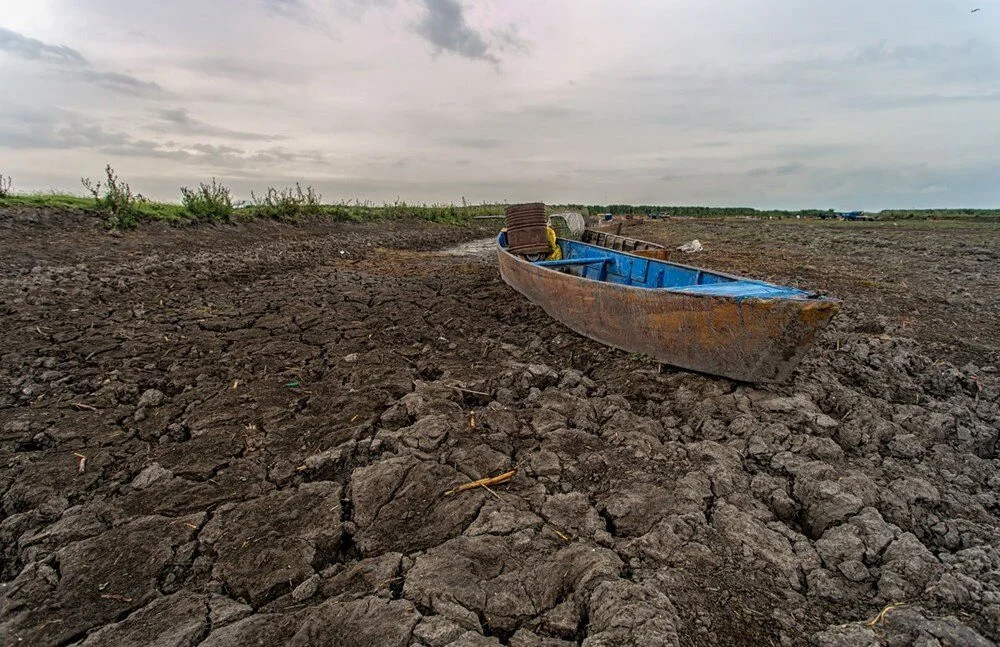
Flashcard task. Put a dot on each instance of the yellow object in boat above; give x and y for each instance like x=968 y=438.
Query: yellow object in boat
x=556 y=253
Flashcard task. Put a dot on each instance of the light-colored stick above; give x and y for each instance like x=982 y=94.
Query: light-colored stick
x=493 y=480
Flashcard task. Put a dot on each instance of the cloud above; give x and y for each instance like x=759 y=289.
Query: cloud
x=510 y=40
x=35 y=50
x=26 y=128
x=72 y=62
x=877 y=102
x=296 y=10
x=918 y=55
x=474 y=142
x=51 y=128
x=178 y=121
x=909 y=65
x=245 y=70
x=444 y=27
x=124 y=83
x=549 y=111
x=783 y=169
x=217 y=156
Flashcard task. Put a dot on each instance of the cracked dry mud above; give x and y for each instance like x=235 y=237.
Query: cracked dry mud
x=269 y=426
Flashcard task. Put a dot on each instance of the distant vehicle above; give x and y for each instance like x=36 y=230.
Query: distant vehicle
x=845 y=215
x=853 y=215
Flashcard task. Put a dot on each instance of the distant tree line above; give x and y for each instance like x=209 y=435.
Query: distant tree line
x=726 y=212
x=699 y=212
x=943 y=214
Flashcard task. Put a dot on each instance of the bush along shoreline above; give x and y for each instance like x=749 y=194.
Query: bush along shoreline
x=125 y=209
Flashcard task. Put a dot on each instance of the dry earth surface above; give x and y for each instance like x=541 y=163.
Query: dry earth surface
x=228 y=436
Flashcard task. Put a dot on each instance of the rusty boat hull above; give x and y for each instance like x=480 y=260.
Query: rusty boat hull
x=680 y=315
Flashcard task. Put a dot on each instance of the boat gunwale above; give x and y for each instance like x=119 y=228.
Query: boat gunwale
x=806 y=297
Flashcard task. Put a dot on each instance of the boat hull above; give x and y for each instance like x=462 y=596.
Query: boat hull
x=750 y=340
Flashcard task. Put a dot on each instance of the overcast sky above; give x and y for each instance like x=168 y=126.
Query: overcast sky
x=852 y=104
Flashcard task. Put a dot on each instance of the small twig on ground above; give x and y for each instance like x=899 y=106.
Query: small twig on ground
x=881 y=614
x=458 y=388
x=88 y=407
x=384 y=582
x=561 y=535
x=81 y=466
x=491 y=491
x=486 y=482
x=521 y=462
x=412 y=363
x=115 y=596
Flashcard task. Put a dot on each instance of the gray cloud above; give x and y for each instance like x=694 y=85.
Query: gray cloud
x=178 y=121
x=444 y=27
x=28 y=128
x=550 y=111
x=933 y=53
x=510 y=40
x=923 y=65
x=244 y=70
x=297 y=11
x=782 y=169
x=34 y=128
x=35 y=50
x=293 y=9
x=73 y=63
x=230 y=158
x=124 y=83
x=474 y=142
x=878 y=102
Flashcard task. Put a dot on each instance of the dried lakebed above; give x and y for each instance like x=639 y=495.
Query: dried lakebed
x=242 y=436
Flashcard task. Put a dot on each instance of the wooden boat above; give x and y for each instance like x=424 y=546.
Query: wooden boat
x=688 y=317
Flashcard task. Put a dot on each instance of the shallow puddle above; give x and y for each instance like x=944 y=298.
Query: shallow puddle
x=479 y=247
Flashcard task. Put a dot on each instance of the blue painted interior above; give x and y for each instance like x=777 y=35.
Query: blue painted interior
x=600 y=264
x=575 y=262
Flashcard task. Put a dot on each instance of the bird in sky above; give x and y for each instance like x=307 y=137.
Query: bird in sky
x=974 y=10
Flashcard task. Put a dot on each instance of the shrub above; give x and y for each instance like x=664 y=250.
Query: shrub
x=116 y=197
x=287 y=204
x=5 y=183
x=209 y=201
